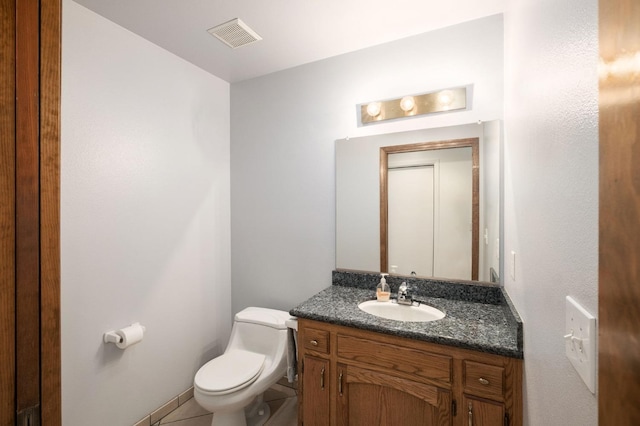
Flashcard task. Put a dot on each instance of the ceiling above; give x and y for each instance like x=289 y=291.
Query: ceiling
x=294 y=32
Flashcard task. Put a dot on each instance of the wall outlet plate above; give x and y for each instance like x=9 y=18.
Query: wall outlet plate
x=580 y=342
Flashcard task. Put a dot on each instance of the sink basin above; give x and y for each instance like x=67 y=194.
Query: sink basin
x=397 y=312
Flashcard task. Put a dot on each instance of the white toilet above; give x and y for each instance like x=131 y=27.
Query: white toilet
x=231 y=385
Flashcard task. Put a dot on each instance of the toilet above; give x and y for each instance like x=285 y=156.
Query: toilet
x=231 y=385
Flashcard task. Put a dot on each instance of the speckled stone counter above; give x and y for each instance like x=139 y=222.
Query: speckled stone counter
x=471 y=324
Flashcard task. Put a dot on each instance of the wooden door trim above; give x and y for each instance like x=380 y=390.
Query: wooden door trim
x=475 y=202
x=7 y=213
x=30 y=210
x=27 y=206
x=50 y=105
x=619 y=215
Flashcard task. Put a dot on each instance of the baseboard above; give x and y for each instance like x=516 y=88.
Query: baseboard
x=154 y=417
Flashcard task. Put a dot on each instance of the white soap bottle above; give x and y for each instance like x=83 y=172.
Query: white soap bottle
x=383 y=291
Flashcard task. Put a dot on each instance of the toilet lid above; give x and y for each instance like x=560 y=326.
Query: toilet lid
x=232 y=371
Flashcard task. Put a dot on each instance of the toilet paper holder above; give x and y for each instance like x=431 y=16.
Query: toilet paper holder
x=118 y=336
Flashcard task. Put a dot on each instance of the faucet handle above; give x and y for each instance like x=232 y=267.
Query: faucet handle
x=404 y=297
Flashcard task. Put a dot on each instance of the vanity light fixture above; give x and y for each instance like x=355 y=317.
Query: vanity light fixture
x=414 y=105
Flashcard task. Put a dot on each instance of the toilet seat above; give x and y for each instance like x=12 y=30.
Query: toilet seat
x=234 y=370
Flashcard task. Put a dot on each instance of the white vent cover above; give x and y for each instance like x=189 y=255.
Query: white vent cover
x=234 y=33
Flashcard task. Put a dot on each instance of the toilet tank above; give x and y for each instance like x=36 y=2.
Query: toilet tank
x=260 y=330
x=264 y=316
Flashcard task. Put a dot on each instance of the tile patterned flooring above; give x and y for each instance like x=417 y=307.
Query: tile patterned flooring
x=281 y=397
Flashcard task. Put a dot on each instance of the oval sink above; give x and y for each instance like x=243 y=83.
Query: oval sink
x=397 y=312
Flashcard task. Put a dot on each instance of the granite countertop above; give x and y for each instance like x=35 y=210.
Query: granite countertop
x=486 y=327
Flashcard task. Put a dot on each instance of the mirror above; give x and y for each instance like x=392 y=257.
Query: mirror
x=360 y=199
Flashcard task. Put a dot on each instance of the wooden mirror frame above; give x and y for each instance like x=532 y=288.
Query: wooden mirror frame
x=475 y=199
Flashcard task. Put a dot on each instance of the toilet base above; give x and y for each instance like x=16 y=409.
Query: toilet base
x=255 y=414
x=229 y=418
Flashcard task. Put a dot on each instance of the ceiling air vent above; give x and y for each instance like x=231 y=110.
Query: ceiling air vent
x=234 y=33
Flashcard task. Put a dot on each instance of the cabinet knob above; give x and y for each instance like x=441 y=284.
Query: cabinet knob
x=314 y=342
x=483 y=381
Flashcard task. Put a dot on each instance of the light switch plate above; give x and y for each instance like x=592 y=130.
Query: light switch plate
x=580 y=342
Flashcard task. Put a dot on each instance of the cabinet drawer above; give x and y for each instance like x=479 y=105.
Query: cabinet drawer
x=316 y=340
x=396 y=358
x=483 y=380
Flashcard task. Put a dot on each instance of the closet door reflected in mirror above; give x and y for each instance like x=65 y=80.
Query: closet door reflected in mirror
x=429 y=196
x=411 y=205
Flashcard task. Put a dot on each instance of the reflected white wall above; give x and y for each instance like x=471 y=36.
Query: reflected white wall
x=491 y=170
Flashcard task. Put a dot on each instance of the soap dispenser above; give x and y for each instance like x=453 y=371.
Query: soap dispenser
x=383 y=291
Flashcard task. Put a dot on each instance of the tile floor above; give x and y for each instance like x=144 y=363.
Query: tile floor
x=281 y=398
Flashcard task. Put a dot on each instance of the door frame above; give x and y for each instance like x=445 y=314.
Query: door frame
x=50 y=108
x=619 y=208
x=7 y=214
x=30 y=212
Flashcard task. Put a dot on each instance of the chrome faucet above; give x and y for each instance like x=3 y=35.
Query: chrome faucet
x=404 y=298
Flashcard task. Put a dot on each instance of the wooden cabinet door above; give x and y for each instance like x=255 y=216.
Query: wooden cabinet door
x=482 y=412
x=367 y=397
x=315 y=391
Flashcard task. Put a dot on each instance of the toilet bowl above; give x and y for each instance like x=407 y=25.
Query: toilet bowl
x=231 y=385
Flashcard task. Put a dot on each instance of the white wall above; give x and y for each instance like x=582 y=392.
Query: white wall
x=145 y=220
x=282 y=153
x=551 y=193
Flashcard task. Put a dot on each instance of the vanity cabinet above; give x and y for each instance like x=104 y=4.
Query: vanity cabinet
x=356 y=377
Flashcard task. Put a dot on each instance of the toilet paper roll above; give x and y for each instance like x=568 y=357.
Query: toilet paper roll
x=130 y=335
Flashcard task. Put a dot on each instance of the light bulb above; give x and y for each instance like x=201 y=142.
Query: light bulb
x=407 y=103
x=373 y=109
x=445 y=97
